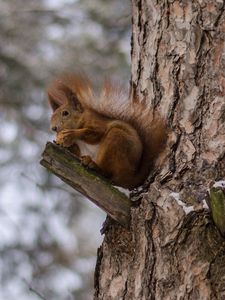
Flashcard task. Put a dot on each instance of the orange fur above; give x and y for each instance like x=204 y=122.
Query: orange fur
x=112 y=121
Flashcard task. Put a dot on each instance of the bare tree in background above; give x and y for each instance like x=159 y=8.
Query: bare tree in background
x=46 y=244
x=173 y=250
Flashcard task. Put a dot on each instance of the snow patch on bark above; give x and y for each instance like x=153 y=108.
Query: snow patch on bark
x=204 y=204
x=187 y=209
x=220 y=183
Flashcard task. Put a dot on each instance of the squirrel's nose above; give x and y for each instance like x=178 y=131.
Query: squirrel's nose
x=54 y=128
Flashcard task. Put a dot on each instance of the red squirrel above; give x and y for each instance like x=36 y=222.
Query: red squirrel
x=108 y=131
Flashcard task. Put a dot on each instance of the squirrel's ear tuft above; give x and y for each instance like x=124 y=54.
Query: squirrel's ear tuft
x=72 y=99
x=56 y=95
x=70 y=89
x=53 y=102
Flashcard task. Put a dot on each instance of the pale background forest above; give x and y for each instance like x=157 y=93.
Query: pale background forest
x=49 y=235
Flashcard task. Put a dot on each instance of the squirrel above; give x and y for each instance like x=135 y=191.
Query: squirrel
x=109 y=132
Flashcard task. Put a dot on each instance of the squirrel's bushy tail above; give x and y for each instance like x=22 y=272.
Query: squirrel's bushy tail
x=153 y=132
x=150 y=126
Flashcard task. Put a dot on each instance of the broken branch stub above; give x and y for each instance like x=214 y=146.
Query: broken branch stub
x=67 y=167
x=216 y=201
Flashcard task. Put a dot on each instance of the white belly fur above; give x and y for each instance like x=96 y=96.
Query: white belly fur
x=87 y=149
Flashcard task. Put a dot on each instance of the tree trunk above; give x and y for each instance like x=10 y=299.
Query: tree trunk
x=173 y=249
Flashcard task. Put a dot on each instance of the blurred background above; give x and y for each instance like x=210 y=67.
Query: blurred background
x=49 y=233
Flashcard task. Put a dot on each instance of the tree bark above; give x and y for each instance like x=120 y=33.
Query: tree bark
x=173 y=250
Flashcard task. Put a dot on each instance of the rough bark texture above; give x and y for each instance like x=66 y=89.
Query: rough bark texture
x=173 y=249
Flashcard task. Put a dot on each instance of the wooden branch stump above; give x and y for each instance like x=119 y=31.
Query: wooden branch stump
x=67 y=167
x=216 y=202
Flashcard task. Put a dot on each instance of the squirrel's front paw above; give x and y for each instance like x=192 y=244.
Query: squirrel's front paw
x=65 y=138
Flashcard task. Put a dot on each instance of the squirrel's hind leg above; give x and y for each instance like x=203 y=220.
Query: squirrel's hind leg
x=119 y=155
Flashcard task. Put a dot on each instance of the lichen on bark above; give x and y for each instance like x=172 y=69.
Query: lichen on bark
x=216 y=200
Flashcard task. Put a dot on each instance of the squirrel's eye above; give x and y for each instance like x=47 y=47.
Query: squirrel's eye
x=65 y=113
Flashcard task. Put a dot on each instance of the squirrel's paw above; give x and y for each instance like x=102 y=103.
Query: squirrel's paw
x=65 y=138
x=88 y=162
